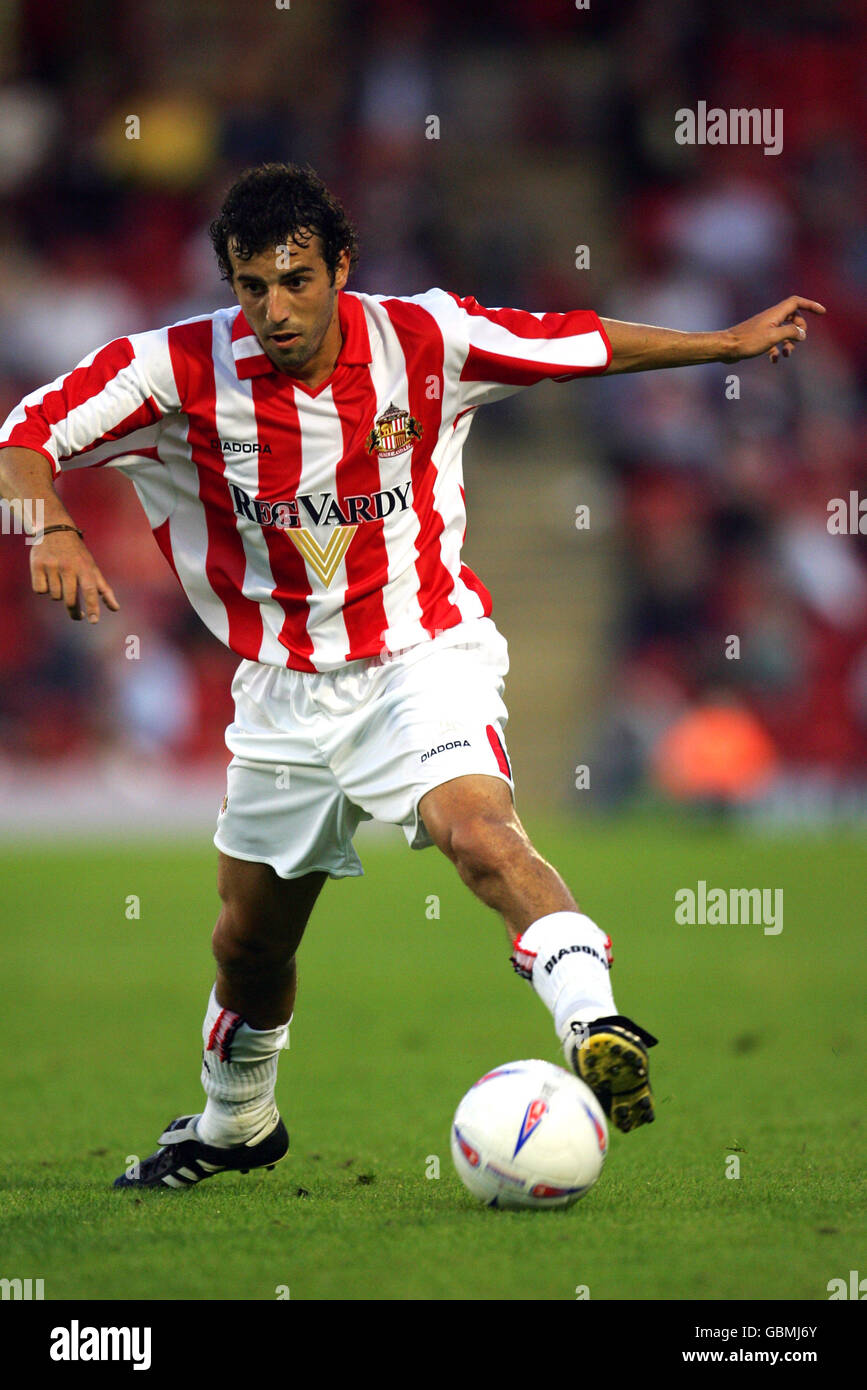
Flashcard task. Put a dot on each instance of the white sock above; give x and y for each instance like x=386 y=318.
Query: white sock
x=567 y=959
x=239 y=1074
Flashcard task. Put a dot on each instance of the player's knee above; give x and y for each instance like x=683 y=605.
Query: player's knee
x=243 y=943
x=483 y=847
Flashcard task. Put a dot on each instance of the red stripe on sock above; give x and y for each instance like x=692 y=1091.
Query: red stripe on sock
x=212 y=1036
x=222 y=1032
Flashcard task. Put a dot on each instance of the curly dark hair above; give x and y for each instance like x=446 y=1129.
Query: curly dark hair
x=271 y=204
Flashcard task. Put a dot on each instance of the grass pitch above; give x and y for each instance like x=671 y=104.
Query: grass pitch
x=761 y=1059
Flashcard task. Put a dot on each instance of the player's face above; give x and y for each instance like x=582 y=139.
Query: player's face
x=290 y=302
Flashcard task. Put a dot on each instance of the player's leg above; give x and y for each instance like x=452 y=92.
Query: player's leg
x=284 y=827
x=420 y=736
x=256 y=937
x=246 y=1025
x=561 y=951
x=473 y=821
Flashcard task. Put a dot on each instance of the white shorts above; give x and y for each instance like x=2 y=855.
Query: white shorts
x=316 y=754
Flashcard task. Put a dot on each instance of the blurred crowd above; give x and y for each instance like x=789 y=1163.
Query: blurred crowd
x=555 y=127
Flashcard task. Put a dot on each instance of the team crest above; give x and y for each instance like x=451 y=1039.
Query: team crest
x=393 y=433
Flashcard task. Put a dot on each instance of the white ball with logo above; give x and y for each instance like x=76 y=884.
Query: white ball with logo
x=529 y=1134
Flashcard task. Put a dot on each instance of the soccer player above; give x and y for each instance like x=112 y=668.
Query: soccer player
x=299 y=461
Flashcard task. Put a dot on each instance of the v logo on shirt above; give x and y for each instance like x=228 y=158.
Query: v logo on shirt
x=323 y=560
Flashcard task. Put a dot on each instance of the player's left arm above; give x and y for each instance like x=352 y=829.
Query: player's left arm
x=637 y=347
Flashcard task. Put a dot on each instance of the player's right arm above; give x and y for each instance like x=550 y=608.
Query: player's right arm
x=109 y=408
x=60 y=563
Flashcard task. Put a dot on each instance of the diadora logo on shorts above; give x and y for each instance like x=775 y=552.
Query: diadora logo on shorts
x=443 y=747
x=567 y=951
x=289 y=513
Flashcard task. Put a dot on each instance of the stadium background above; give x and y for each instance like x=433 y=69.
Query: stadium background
x=556 y=129
x=707 y=521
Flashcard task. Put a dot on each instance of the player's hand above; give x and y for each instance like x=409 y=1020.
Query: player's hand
x=62 y=566
x=775 y=331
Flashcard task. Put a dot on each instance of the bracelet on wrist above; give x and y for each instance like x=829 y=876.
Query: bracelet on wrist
x=62 y=526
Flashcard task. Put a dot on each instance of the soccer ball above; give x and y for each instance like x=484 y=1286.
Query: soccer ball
x=529 y=1134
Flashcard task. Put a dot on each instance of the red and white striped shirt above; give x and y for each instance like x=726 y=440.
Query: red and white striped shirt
x=309 y=528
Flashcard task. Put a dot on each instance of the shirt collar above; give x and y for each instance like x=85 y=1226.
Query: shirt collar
x=251 y=360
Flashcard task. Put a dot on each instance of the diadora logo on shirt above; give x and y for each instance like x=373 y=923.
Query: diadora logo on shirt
x=289 y=513
x=238 y=446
